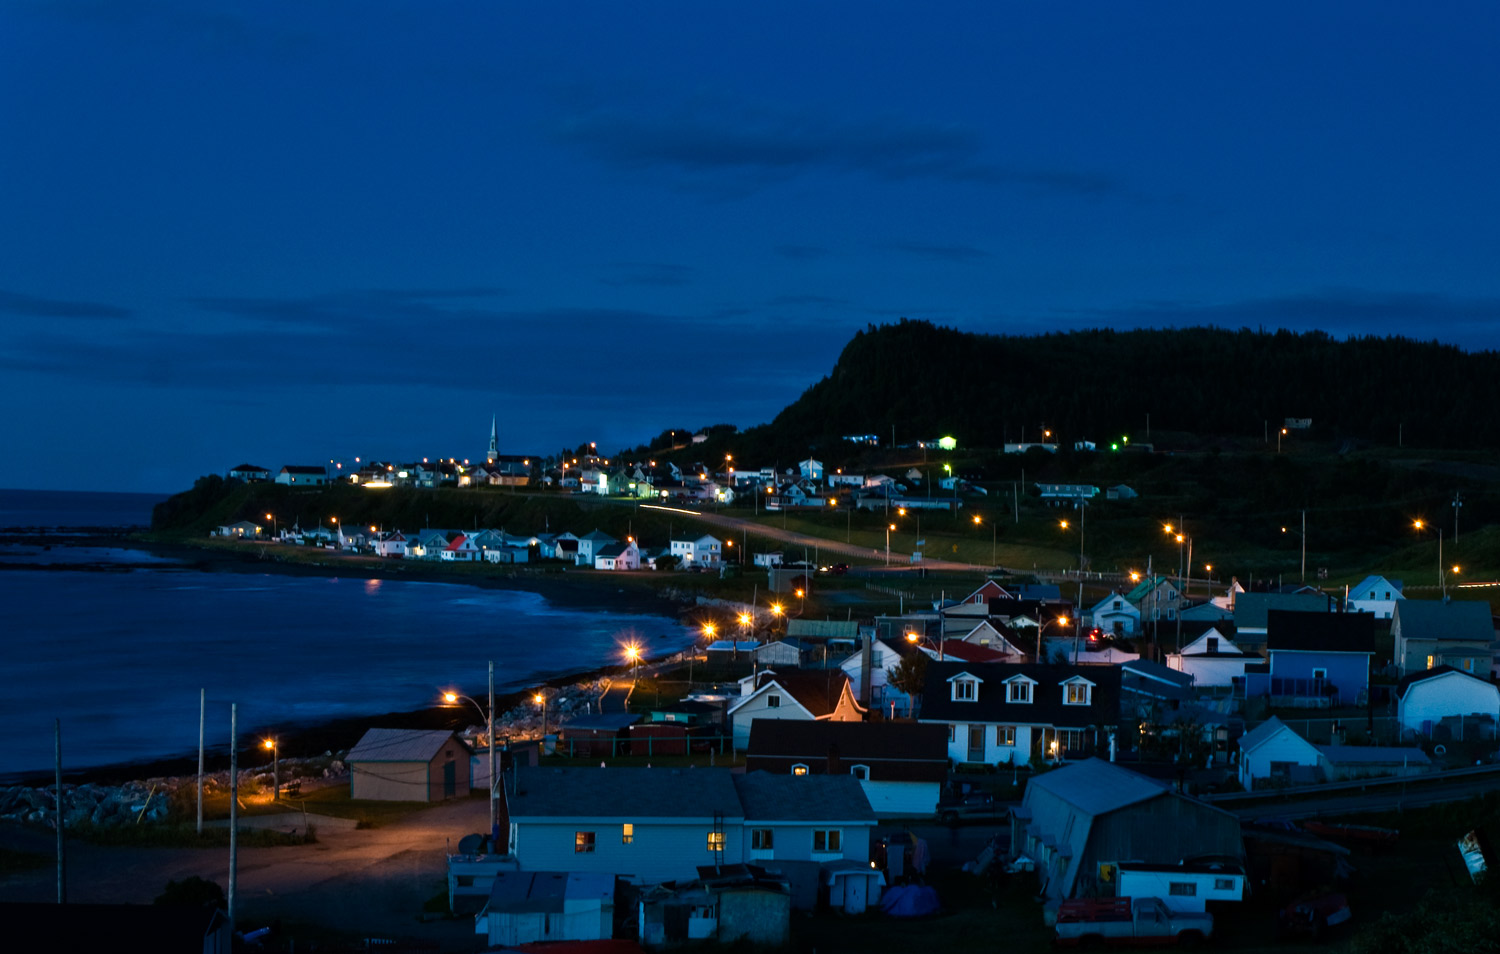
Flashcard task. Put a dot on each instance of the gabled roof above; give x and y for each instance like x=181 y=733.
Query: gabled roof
x=248 y=467
x=686 y=795
x=965 y=652
x=1250 y=609
x=1290 y=631
x=818 y=692
x=1377 y=583
x=1046 y=706
x=1156 y=672
x=598 y=536
x=823 y=628
x=613 y=550
x=1456 y=620
x=1407 y=681
x=401 y=745
x=301 y=469
x=1144 y=587
x=802 y=798
x=856 y=741
x=1266 y=731
x=1096 y=787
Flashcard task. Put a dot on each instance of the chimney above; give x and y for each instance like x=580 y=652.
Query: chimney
x=866 y=664
x=835 y=764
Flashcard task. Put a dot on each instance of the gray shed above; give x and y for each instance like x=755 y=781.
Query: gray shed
x=409 y=765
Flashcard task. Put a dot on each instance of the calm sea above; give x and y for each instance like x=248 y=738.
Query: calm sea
x=120 y=656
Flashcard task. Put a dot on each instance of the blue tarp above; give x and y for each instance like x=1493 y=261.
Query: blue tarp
x=909 y=901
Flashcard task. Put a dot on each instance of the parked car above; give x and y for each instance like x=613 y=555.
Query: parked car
x=1087 y=921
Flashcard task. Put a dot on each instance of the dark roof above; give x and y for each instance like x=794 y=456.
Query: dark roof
x=818 y=692
x=1251 y=609
x=578 y=793
x=861 y=742
x=808 y=798
x=1408 y=680
x=304 y=469
x=1320 y=632
x=1455 y=620
x=112 y=927
x=1046 y=706
x=248 y=467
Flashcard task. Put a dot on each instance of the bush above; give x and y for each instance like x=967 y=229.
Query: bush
x=191 y=892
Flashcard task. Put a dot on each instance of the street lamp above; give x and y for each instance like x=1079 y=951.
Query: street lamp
x=451 y=698
x=1042 y=624
x=901 y=511
x=888 y=528
x=273 y=745
x=540 y=698
x=848 y=519
x=1442 y=578
x=272 y=517
x=1303 y=534
x=633 y=653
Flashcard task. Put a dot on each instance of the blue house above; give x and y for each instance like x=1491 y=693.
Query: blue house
x=1317 y=660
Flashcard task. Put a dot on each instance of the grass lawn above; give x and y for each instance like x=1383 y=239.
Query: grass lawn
x=336 y=801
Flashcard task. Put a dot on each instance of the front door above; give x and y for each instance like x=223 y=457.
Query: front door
x=976 y=743
x=450 y=779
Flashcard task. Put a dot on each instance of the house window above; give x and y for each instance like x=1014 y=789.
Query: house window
x=1182 y=889
x=1019 y=692
x=1468 y=665
x=761 y=839
x=1387 y=594
x=1118 y=604
x=583 y=842
x=627 y=833
x=861 y=772
x=1005 y=735
x=1213 y=644
x=773 y=701
x=1429 y=662
x=799 y=769
x=1320 y=673
x=952 y=733
x=716 y=841
x=825 y=839
x=1078 y=694
x=965 y=690
x=1223 y=884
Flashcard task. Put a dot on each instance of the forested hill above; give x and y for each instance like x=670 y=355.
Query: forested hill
x=928 y=381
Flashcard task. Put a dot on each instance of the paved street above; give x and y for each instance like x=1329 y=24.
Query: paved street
x=375 y=880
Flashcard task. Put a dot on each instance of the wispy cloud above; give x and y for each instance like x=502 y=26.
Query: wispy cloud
x=754 y=145
x=12 y=303
x=938 y=253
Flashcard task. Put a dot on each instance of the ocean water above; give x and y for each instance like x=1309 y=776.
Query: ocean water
x=64 y=509
x=120 y=656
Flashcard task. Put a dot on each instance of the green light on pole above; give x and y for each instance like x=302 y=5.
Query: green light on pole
x=947 y=443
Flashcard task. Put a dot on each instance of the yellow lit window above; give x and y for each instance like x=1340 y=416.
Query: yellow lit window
x=716 y=841
x=627 y=833
x=1429 y=662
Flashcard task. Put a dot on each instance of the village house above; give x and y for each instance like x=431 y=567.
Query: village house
x=241 y=530
x=1213 y=659
x=1155 y=598
x=1116 y=615
x=1375 y=594
x=1079 y=823
x=390 y=545
x=900 y=765
x=249 y=473
x=408 y=765
x=1432 y=633
x=461 y=549
x=1252 y=612
x=806 y=696
x=1447 y=703
x=705 y=551
x=1012 y=713
x=1317 y=660
x=618 y=556
x=294 y=475
x=590 y=544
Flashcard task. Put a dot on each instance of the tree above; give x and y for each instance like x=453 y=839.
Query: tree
x=910 y=674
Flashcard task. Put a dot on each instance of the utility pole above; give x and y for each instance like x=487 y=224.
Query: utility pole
x=234 y=806
x=1457 y=503
x=62 y=883
x=494 y=816
x=202 y=705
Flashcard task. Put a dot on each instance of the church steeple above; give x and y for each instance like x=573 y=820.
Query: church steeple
x=494 y=440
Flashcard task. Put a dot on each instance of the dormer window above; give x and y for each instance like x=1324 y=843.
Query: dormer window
x=965 y=690
x=1077 y=692
x=1019 y=691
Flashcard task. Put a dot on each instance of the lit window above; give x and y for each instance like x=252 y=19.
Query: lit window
x=583 y=842
x=627 y=833
x=1182 y=889
x=825 y=839
x=761 y=839
x=1078 y=694
x=799 y=769
x=1005 y=735
x=1019 y=692
x=1429 y=662
x=716 y=841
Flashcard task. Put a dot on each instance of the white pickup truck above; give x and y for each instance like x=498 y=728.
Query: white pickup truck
x=1129 y=921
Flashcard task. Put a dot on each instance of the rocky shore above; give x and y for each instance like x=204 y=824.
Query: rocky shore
x=174 y=797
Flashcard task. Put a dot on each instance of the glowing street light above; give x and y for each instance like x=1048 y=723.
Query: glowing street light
x=273 y=745
x=452 y=698
x=1442 y=577
x=540 y=699
x=888 y=528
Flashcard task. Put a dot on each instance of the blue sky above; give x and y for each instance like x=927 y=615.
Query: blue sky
x=283 y=232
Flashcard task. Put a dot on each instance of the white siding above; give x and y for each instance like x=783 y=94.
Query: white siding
x=659 y=851
x=1284 y=746
x=793 y=841
x=1451 y=694
x=1157 y=884
x=1210 y=670
x=958 y=745
x=758 y=709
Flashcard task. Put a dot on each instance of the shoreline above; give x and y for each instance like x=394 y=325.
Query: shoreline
x=313 y=739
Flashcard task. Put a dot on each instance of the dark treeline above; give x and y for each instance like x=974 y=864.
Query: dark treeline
x=927 y=381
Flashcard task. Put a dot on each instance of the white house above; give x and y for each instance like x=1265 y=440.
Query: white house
x=461 y=549
x=1375 y=594
x=1212 y=660
x=528 y=907
x=618 y=556
x=1116 y=615
x=805 y=695
x=882 y=660
x=1272 y=752
x=987 y=635
x=698 y=551
x=590 y=544
x=240 y=530
x=1433 y=633
x=1466 y=706
x=900 y=765
x=294 y=475
x=810 y=469
x=391 y=544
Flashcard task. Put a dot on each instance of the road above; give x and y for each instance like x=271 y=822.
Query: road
x=373 y=881
x=1388 y=797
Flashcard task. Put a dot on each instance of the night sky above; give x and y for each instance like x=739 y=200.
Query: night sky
x=283 y=232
